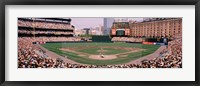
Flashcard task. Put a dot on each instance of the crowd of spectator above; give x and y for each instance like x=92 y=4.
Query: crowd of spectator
x=43 y=32
x=50 y=25
x=56 y=39
x=30 y=56
x=25 y=31
x=27 y=56
x=33 y=57
x=126 y=39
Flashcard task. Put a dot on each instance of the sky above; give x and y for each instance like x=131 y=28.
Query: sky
x=81 y=23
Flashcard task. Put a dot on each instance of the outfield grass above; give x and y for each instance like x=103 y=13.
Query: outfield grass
x=54 y=47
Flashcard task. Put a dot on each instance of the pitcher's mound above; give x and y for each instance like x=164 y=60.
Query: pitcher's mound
x=105 y=57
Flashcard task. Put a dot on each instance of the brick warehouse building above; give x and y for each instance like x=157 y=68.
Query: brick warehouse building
x=166 y=27
x=157 y=27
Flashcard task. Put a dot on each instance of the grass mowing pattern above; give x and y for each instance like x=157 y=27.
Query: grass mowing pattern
x=54 y=47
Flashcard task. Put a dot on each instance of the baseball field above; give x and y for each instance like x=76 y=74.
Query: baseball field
x=101 y=53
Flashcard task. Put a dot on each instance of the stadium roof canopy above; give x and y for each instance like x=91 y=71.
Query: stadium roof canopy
x=58 y=20
x=62 y=19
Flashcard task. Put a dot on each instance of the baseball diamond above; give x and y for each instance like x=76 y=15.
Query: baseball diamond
x=89 y=53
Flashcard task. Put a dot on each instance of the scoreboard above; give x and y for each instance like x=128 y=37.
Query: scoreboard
x=120 y=29
x=121 y=32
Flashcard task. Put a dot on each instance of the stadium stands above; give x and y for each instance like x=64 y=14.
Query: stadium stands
x=43 y=24
x=126 y=39
x=29 y=31
x=30 y=56
x=171 y=57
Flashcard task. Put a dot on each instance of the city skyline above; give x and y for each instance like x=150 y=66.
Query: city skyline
x=81 y=23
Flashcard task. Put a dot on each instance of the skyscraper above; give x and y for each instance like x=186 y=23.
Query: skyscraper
x=107 y=25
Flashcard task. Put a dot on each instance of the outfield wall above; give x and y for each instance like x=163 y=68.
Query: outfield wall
x=101 y=39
